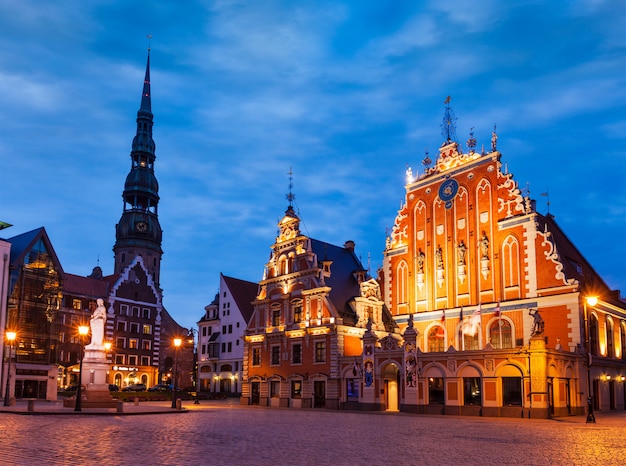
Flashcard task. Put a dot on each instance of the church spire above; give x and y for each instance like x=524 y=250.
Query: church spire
x=146 y=104
x=138 y=231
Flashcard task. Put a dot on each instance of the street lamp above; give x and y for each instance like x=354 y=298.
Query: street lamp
x=591 y=301
x=177 y=343
x=83 y=330
x=10 y=338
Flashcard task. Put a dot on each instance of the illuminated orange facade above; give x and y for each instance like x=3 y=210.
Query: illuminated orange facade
x=315 y=303
x=489 y=296
x=483 y=309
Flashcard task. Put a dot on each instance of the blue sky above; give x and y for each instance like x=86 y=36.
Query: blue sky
x=345 y=93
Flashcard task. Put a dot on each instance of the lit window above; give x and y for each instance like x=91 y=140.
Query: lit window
x=256 y=356
x=133 y=343
x=297 y=311
x=76 y=304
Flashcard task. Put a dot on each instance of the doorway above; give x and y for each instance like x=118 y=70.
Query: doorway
x=319 y=394
x=255 y=393
x=391 y=384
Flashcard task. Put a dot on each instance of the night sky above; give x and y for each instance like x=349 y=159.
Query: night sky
x=343 y=94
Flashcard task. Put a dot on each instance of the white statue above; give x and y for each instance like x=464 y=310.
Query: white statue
x=98 y=319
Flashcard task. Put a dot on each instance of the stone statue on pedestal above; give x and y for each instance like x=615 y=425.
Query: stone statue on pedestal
x=98 y=319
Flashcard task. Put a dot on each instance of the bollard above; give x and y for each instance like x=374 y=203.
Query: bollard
x=179 y=404
x=136 y=401
x=120 y=406
x=31 y=406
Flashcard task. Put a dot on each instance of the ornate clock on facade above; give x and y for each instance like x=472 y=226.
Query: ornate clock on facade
x=141 y=226
x=447 y=191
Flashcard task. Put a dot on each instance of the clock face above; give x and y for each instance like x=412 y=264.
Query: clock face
x=141 y=226
x=447 y=191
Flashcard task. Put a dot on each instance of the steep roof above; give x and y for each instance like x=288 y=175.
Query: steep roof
x=343 y=283
x=85 y=286
x=244 y=293
x=575 y=266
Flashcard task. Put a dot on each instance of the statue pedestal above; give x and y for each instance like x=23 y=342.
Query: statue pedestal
x=95 y=369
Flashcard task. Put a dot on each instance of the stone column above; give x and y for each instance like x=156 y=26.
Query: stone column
x=538 y=373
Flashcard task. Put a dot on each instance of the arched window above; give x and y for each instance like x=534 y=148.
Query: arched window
x=610 y=338
x=296 y=308
x=510 y=266
x=401 y=291
x=282 y=267
x=470 y=342
x=622 y=332
x=500 y=334
x=436 y=339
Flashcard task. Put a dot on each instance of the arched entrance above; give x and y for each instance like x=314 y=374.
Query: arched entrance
x=391 y=375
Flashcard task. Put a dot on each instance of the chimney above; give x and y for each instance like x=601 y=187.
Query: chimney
x=349 y=245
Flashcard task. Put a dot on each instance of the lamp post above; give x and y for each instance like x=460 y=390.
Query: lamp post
x=10 y=338
x=591 y=301
x=83 y=330
x=177 y=343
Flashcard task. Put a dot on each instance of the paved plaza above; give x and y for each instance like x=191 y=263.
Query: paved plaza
x=223 y=433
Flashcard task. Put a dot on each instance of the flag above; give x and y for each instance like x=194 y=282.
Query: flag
x=471 y=326
x=497 y=313
x=443 y=316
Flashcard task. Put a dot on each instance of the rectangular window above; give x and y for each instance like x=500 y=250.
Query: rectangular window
x=132 y=360
x=297 y=312
x=223 y=329
x=134 y=327
x=296 y=354
x=230 y=328
x=471 y=391
x=146 y=345
x=512 y=391
x=121 y=326
x=123 y=309
x=320 y=351
x=119 y=359
x=275 y=317
x=275 y=355
x=135 y=311
x=230 y=346
x=145 y=360
x=120 y=342
x=256 y=356
x=223 y=347
x=296 y=389
x=145 y=313
x=77 y=304
x=133 y=343
x=147 y=329
x=204 y=331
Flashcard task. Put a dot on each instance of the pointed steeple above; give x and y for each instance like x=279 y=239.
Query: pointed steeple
x=138 y=231
x=146 y=104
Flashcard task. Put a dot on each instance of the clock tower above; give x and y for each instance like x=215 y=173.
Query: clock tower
x=138 y=232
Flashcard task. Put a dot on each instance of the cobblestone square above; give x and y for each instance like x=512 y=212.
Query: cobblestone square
x=228 y=434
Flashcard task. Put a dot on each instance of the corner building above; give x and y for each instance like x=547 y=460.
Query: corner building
x=490 y=298
x=315 y=303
